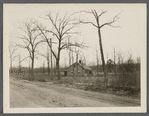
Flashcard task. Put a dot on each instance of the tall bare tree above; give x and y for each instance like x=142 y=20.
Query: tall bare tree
x=99 y=27
x=12 y=50
x=69 y=53
x=62 y=29
x=114 y=62
x=30 y=39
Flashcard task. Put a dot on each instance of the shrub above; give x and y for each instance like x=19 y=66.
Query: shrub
x=42 y=80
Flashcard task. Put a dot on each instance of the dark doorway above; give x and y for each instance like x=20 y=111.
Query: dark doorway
x=65 y=73
x=90 y=72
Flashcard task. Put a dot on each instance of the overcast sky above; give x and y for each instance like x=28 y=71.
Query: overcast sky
x=126 y=39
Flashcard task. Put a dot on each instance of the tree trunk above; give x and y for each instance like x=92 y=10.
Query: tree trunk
x=48 y=69
x=102 y=55
x=114 y=63
x=57 y=68
x=77 y=62
x=69 y=58
x=43 y=68
x=72 y=58
x=32 y=68
x=97 y=61
x=10 y=65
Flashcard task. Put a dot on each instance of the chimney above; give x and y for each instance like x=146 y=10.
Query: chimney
x=80 y=61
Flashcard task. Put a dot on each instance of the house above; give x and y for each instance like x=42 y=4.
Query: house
x=78 y=69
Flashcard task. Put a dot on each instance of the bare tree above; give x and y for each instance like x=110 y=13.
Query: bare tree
x=19 y=71
x=43 y=68
x=138 y=63
x=47 y=56
x=129 y=59
x=97 y=59
x=69 y=53
x=138 y=60
x=30 y=40
x=99 y=27
x=62 y=29
x=48 y=61
x=121 y=58
x=12 y=50
x=130 y=63
x=114 y=62
x=72 y=57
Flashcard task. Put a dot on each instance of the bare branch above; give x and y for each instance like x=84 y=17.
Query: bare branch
x=24 y=59
x=89 y=23
x=21 y=46
x=71 y=33
x=82 y=12
x=67 y=36
x=46 y=40
x=102 y=13
x=111 y=22
x=12 y=50
x=64 y=24
x=63 y=46
x=67 y=30
x=71 y=44
x=62 y=21
x=54 y=24
x=56 y=17
x=43 y=55
x=23 y=30
x=95 y=14
x=52 y=33
x=37 y=44
x=36 y=37
x=14 y=57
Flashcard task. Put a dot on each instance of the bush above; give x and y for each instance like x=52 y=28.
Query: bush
x=42 y=80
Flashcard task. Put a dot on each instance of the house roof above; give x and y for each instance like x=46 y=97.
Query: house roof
x=80 y=64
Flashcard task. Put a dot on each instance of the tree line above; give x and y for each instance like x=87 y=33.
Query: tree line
x=62 y=28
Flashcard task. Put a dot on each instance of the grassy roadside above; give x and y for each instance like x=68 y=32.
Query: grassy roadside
x=90 y=84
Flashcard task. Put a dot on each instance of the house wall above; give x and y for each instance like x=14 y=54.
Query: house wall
x=73 y=68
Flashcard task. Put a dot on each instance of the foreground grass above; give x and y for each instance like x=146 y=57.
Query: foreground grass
x=116 y=85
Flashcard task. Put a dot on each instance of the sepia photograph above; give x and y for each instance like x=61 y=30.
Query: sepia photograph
x=74 y=58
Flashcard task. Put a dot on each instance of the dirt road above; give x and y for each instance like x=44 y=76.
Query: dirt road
x=26 y=94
